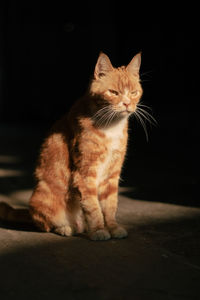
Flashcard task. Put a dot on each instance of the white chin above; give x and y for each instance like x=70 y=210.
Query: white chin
x=125 y=113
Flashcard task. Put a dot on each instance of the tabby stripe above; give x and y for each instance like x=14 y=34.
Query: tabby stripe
x=109 y=191
x=112 y=176
x=90 y=192
x=94 y=211
x=89 y=182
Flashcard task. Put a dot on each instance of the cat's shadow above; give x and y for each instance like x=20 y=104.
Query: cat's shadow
x=18 y=226
x=24 y=227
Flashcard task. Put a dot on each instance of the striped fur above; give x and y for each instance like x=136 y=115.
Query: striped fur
x=80 y=161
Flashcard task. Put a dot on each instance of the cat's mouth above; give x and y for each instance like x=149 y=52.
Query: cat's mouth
x=126 y=111
x=122 y=112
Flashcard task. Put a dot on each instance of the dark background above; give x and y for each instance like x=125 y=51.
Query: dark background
x=47 y=55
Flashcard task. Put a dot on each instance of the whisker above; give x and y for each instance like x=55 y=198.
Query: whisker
x=146 y=73
x=142 y=123
x=114 y=114
x=110 y=118
x=144 y=105
x=100 y=111
x=147 y=116
x=144 y=116
x=145 y=80
x=103 y=118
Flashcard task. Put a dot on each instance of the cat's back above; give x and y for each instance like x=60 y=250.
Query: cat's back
x=54 y=152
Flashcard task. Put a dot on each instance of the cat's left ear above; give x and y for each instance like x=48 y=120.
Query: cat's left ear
x=134 y=66
x=103 y=66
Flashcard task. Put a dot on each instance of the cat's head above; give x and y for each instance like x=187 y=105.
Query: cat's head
x=119 y=88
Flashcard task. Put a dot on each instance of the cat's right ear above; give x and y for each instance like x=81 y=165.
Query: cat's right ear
x=103 y=66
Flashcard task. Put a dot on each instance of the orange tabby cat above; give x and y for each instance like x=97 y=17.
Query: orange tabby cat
x=81 y=159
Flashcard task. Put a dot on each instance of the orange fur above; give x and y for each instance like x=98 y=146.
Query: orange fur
x=80 y=161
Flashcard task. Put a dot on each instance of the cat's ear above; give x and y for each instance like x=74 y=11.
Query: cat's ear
x=134 y=65
x=103 y=66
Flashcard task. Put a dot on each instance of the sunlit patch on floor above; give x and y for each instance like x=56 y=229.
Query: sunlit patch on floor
x=11 y=173
x=138 y=213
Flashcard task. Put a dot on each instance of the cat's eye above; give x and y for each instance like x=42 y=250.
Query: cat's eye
x=114 y=92
x=135 y=93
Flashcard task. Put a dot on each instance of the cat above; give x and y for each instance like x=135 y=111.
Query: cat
x=78 y=169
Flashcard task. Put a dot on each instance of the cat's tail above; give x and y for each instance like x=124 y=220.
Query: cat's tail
x=14 y=215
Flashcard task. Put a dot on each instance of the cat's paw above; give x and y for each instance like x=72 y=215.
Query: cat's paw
x=118 y=232
x=64 y=230
x=100 y=235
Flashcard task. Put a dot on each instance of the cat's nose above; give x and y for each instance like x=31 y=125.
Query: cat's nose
x=126 y=104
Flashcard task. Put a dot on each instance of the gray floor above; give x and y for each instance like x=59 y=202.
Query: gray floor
x=160 y=259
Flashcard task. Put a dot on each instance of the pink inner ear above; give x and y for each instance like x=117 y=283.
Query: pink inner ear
x=103 y=65
x=134 y=65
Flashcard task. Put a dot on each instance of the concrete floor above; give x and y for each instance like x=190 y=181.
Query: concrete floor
x=160 y=259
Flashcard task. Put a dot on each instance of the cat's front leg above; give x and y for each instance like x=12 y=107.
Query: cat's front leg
x=108 y=197
x=94 y=216
x=91 y=208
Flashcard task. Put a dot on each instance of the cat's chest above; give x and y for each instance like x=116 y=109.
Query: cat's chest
x=115 y=141
x=114 y=138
